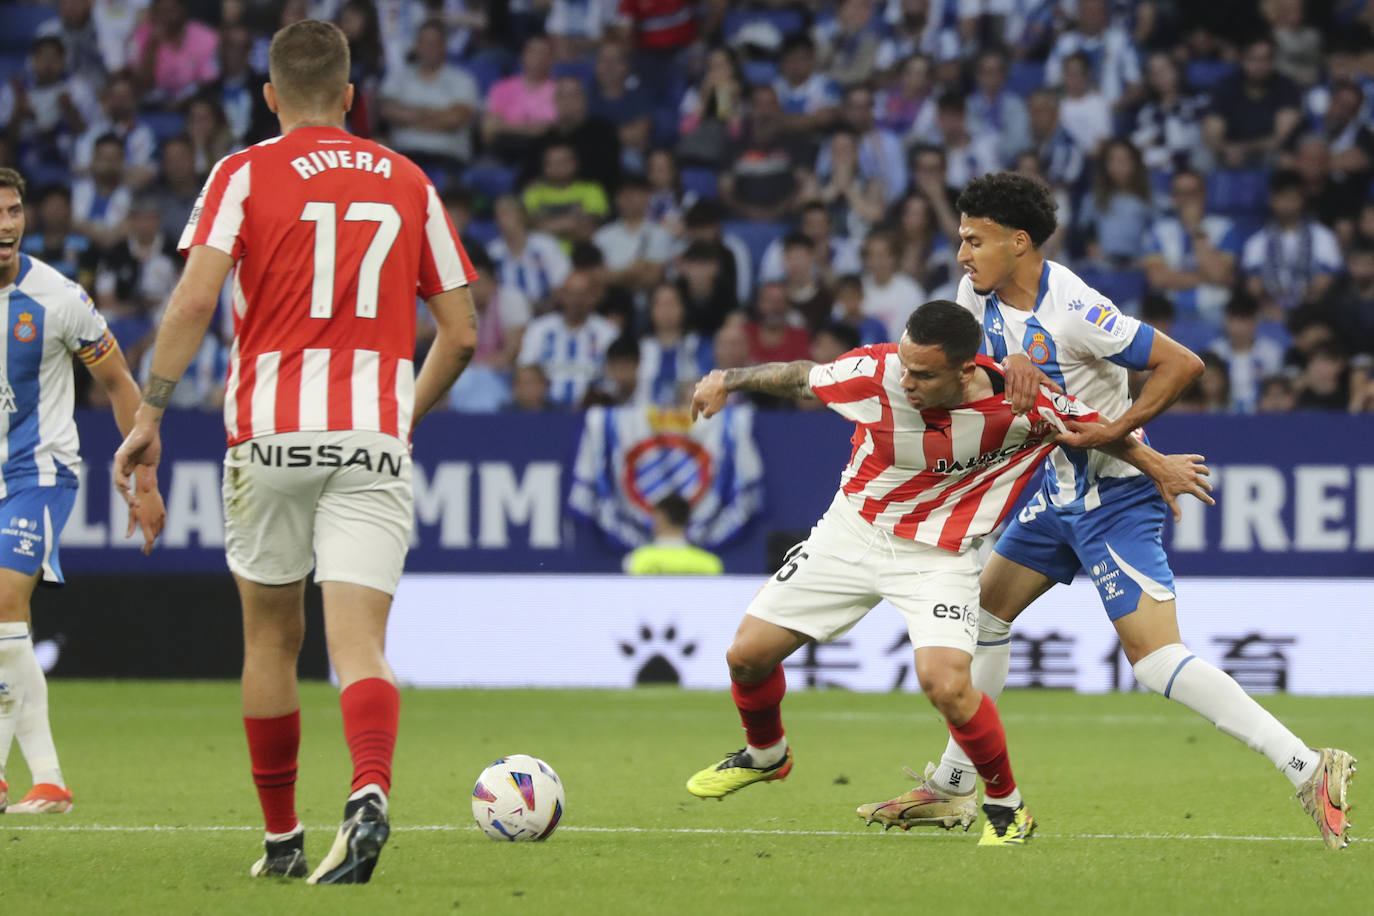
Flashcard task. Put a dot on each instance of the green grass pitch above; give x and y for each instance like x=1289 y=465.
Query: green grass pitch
x=1143 y=808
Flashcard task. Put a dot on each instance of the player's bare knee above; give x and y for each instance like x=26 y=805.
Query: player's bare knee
x=747 y=664
x=947 y=689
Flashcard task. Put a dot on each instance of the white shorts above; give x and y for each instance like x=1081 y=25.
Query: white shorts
x=833 y=578
x=338 y=502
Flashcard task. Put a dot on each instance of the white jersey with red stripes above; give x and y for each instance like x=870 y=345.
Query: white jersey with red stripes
x=934 y=476
x=333 y=237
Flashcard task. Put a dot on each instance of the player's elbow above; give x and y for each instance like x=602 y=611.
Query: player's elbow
x=1192 y=365
x=461 y=343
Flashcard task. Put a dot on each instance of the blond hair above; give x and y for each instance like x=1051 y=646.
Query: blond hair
x=308 y=64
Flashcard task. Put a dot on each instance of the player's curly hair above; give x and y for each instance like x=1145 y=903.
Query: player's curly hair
x=1013 y=200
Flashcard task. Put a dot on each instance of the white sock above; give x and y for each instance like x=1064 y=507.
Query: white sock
x=14 y=642
x=34 y=731
x=371 y=788
x=991 y=664
x=1214 y=695
x=768 y=756
x=1012 y=800
x=278 y=837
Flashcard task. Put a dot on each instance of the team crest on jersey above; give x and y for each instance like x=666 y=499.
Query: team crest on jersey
x=1038 y=351
x=25 y=330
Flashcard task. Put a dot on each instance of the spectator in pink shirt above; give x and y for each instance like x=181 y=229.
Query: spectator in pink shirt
x=520 y=108
x=174 y=55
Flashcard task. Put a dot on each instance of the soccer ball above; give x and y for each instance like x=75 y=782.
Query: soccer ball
x=518 y=798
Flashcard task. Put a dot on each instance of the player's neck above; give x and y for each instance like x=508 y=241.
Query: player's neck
x=978 y=386
x=1021 y=290
x=291 y=121
x=9 y=272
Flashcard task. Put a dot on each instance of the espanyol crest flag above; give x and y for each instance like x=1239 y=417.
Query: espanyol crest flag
x=629 y=458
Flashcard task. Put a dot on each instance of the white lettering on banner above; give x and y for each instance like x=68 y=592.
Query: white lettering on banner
x=193 y=505
x=78 y=532
x=618 y=631
x=443 y=500
x=1251 y=504
x=1190 y=533
x=1364 y=508
x=535 y=501
x=1316 y=507
x=119 y=515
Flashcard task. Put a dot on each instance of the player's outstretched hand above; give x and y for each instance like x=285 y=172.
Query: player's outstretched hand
x=1024 y=379
x=709 y=397
x=149 y=515
x=1180 y=474
x=141 y=448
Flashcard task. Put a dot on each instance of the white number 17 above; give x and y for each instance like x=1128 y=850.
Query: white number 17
x=322 y=214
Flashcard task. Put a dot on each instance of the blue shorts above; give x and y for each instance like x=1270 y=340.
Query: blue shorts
x=30 y=521
x=1119 y=543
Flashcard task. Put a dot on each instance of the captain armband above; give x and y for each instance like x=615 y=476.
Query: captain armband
x=92 y=353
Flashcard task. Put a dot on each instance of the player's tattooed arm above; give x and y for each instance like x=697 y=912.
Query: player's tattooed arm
x=158 y=392
x=783 y=380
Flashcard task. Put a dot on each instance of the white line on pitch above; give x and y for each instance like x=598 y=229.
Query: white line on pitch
x=712 y=831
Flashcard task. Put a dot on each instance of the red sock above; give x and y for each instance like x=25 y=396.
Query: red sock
x=760 y=708
x=371 y=711
x=272 y=747
x=983 y=739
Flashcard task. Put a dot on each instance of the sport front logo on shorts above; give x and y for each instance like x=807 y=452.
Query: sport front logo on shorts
x=1107 y=580
x=26 y=531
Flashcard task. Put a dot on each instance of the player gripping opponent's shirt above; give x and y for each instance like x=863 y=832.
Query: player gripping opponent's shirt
x=938 y=461
x=1085 y=345
x=1093 y=513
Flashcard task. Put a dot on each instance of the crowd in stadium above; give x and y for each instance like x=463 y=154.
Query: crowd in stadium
x=652 y=188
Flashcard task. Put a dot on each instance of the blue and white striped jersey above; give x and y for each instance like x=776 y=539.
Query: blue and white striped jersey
x=572 y=358
x=45 y=319
x=1079 y=339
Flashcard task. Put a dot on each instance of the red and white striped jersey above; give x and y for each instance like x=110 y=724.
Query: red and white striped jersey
x=333 y=236
x=935 y=476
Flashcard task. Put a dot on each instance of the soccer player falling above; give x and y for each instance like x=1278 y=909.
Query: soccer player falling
x=1092 y=512
x=330 y=238
x=938 y=461
x=47 y=318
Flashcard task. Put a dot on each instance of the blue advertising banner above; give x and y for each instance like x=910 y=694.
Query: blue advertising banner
x=1295 y=495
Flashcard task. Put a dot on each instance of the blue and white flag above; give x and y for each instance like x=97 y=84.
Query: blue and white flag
x=629 y=458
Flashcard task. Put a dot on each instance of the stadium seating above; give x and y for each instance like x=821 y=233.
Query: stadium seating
x=1206 y=74
x=164 y=124
x=699 y=181
x=581 y=69
x=491 y=180
x=759 y=72
x=787 y=21
x=756 y=236
x=1238 y=193
x=486 y=69
x=21 y=22
x=1025 y=76
x=12 y=64
x=483 y=230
